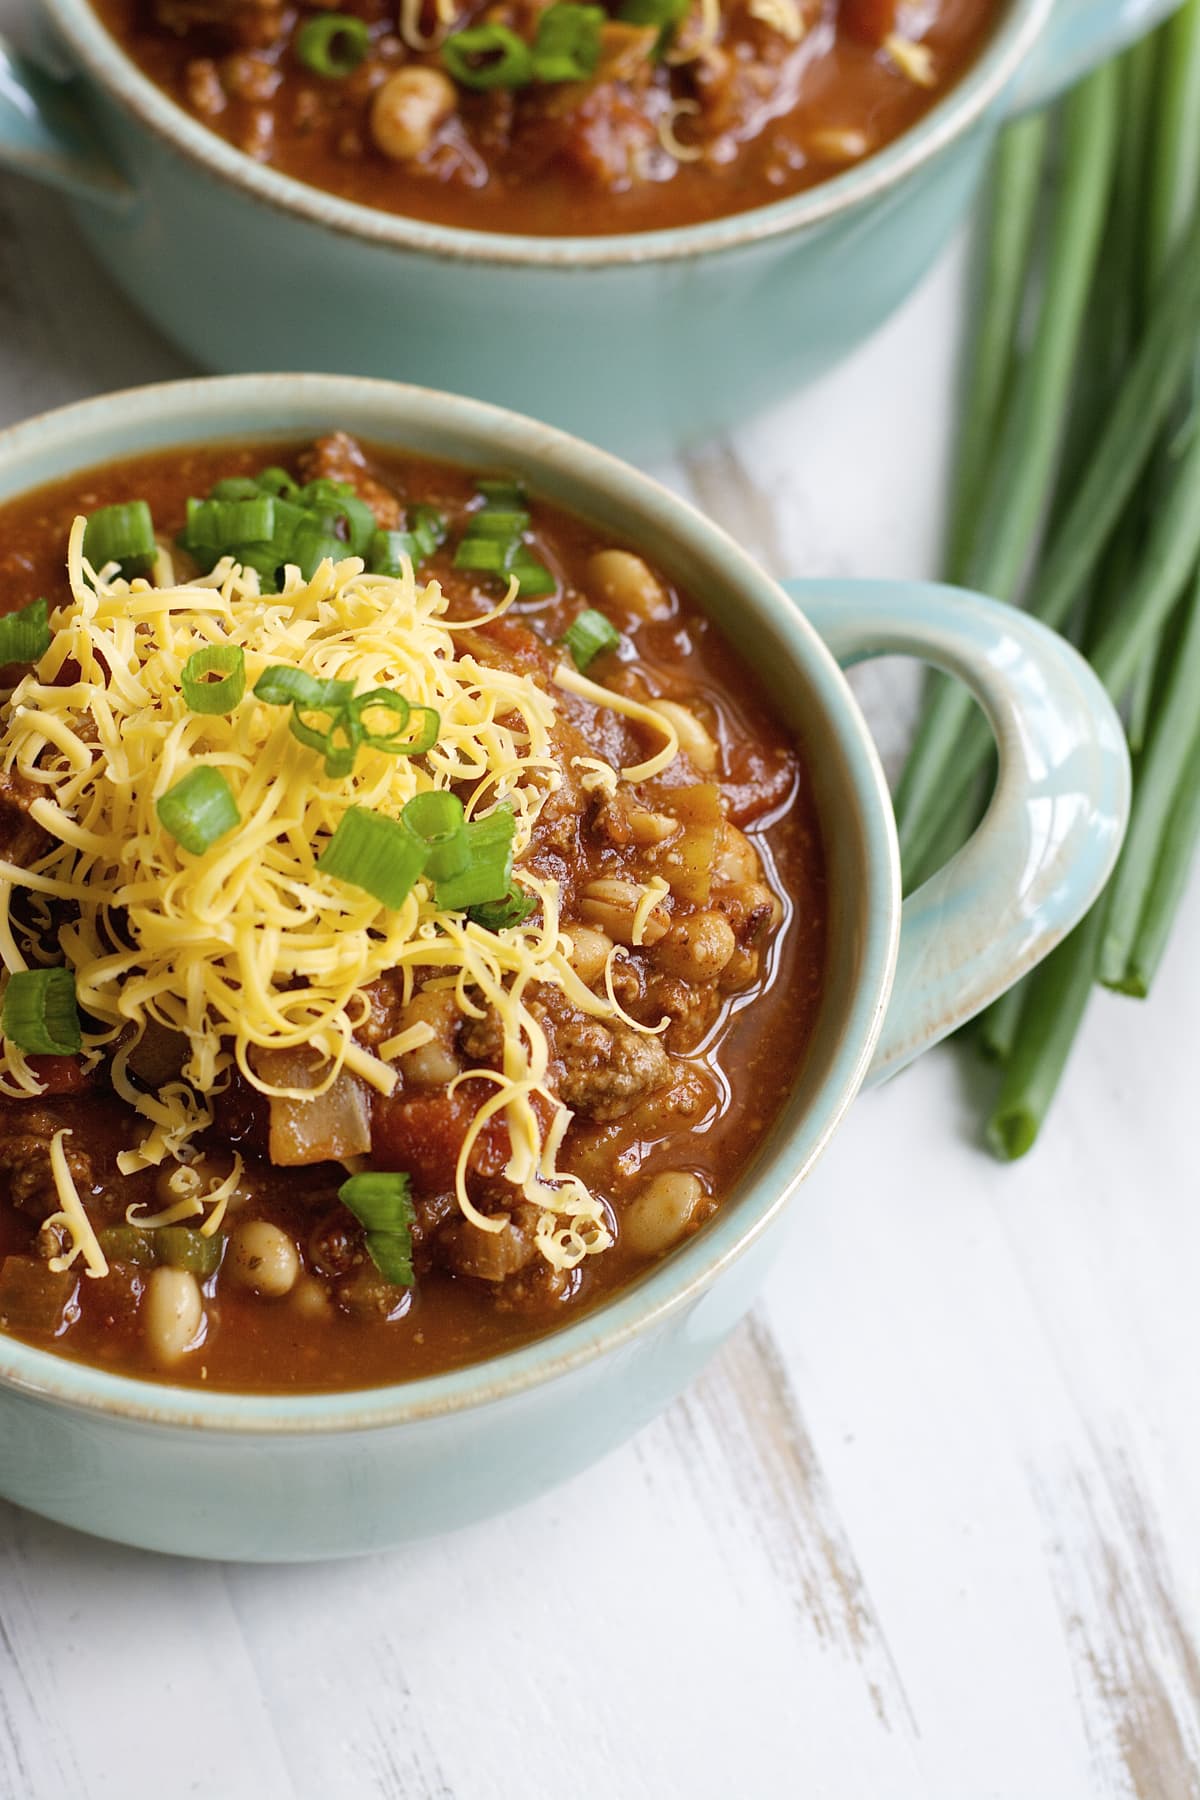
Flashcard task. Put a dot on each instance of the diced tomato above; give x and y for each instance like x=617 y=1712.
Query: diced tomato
x=61 y=1074
x=424 y=1133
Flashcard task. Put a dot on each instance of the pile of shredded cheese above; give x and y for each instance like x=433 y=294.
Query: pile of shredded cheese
x=249 y=946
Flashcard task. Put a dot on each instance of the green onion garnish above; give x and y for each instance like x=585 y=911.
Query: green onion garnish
x=588 y=636
x=567 y=46
x=502 y=495
x=282 y=685
x=488 y=56
x=199 y=809
x=25 y=634
x=40 y=1015
x=228 y=663
x=383 y=1206
x=276 y=481
x=237 y=487
x=122 y=534
x=219 y=526
x=488 y=874
x=416 y=728
x=332 y=45
x=375 y=853
x=344 y=726
x=312 y=544
x=666 y=14
x=436 y=821
x=338 y=741
x=533 y=577
x=498 y=915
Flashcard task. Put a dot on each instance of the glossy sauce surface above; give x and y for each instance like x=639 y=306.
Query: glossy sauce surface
x=732 y=1063
x=650 y=141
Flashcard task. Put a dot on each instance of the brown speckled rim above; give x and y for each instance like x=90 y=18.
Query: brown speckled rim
x=93 y=48
x=217 y=409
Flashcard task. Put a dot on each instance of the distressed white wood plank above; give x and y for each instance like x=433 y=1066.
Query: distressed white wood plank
x=113 y=1663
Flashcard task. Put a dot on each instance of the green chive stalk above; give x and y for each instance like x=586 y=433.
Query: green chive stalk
x=1176 y=857
x=1122 y=452
x=1055 y=1002
x=1160 y=773
x=1031 y=435
x=1016 y=188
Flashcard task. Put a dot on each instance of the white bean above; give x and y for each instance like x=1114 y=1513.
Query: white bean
x=624 y=580
x=435 y=1063
x=408 y=109
x=698 y=947
x=662 y=1212
x=263 y=1258
x=589 y=952
x=694 y=741
x=172 y=1314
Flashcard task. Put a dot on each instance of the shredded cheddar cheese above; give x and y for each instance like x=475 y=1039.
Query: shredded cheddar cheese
x=72 y=1217
x=250 y=947
x=914 y=61
x=783 y=16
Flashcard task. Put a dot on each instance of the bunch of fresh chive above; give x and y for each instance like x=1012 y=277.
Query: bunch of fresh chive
x=1077 y=495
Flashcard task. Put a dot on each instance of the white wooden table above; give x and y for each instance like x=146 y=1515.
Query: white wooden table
x=928 y=1528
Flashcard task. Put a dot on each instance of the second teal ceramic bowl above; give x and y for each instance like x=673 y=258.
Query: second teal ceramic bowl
x=638 y=342
x=274 y=1477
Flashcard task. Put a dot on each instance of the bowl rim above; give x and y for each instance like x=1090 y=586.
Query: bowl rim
x=972 y=94
x=207 y=409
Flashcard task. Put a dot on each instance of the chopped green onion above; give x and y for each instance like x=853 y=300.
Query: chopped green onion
x=283 y=685
x=588 y=636
x=497 y=522
x=533 y=577
x=264 y=561
x=122 y=534
x=221 y=525
x=436 y=821
x=332 y=45
x=25 y=634
x=488 y=56
x=499 y=915
x=428 y=526
x=312 y=545
x=383 y=1206
x=501 y=494
x=374 y=853
x=237 y=487
x=666 y=14
x=183 y=1248
x=389 y=549
x=278 y=482
x=40 y=1015
x=567 y=46
x=228 y=663
x=488 y=874
x=338 y=741
x=422 y=723
x=484 y=555
x=199 y=809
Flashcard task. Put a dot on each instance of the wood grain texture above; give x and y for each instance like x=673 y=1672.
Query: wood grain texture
x=925 y=1531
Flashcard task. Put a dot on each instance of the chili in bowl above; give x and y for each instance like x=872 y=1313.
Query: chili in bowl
x=544 y=245
x=432 y=949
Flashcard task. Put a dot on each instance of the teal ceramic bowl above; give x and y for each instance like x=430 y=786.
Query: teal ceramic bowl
x=267 y=1477
x=639 y=342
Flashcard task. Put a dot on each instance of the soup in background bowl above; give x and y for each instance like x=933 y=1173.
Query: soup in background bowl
x=449 y=898
x=644 y=326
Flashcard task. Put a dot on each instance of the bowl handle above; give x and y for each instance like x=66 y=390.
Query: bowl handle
x=1050 y=836
x=46 y=133
x=1080 y=34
